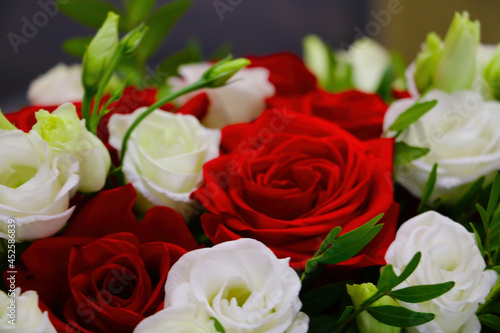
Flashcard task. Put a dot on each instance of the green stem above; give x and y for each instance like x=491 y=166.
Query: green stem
x=378 y=295
x=170 y=97
x=105 y=79
x=86 y=102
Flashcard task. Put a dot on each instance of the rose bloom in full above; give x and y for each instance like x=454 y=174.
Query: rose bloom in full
x=240 y=283
x=164 y=157
x=287 y=179
x=106 y=272
x=449 y=253
x=35 y=185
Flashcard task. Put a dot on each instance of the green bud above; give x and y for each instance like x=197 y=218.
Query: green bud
x=427 y=61
x=318 y=58
x=221 y=72
x=100 y=52
x=492 y=73
x=131 y=41
x=117 y=92
x=5 y=124
x=456 y=68
x=366 y=323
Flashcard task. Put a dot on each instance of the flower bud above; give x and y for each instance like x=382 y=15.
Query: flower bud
x=456 y=68
x=66 y=133
x=492 y=73
x=221 y=72
x=318 y=58
x=366 y=323
x=100 y=52
x=131 y=41
x=427 y=61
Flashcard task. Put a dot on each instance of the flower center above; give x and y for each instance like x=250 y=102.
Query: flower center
x=240 y=294
x=16 y=175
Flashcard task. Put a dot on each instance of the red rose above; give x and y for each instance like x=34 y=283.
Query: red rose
x=359 y=113
x=106 y=272
x=288 y=73
x=287 y=179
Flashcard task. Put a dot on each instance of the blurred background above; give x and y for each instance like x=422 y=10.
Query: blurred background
x=250 y=26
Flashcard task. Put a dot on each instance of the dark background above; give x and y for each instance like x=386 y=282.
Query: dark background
x=254 y=26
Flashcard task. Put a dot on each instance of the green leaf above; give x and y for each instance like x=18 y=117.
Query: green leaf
x=418 y=294
x=399 y=316
x=410 y=268
x=330 y=238
x=478 y=237
x=388 y=279
x=89 y=12
x=428 y=188
x=399 y=65
x=494 y=196
x=484 y=216
x=411 y=115
x=136 y=11
x=346 y=245
x=218 y=325
x=76 y=46
x=321 y=298
x=159 y=25
x=495 y=223
x=384 y=89
x=491 y=321
x=404 y=153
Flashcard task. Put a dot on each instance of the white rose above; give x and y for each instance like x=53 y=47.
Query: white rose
x=369 y=60
x=35 y=186
x=449 y=253
x=241 y=101
x=59 y=85
x=165 y=156
x=28 y=316
x=185 y=318
x=240 y=283
x=66 y=133
x=462 y=134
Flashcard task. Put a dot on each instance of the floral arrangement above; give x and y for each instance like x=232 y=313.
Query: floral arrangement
x=344 y=193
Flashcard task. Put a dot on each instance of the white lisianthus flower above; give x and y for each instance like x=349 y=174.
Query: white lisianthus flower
x=26 y=316
x=485 y=54
x=61 y=84
x=35 y=186
x=165 y=156
x=240 y=101
x=462 y=134
x=185 y=318
x=66 y=133
x=449 y=253
x=369 y=60
x=240 y=283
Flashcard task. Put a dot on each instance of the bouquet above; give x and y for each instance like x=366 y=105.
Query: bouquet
x=346 y=192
